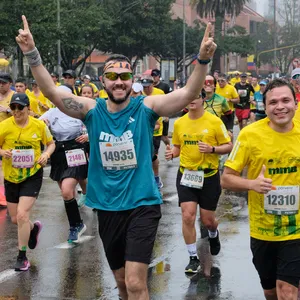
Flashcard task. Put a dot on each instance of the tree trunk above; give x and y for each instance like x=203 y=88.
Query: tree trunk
x=20 y=63
x=216 y=64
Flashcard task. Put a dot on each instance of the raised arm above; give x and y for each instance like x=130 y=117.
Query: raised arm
x=70 y=104
x=166 y=105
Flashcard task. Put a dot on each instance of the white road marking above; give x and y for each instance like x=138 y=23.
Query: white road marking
x=7 y=274
x=170 y=199
x=67 y=245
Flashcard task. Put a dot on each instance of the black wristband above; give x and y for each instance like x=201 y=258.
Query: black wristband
x=203 y=61
x=213 y=150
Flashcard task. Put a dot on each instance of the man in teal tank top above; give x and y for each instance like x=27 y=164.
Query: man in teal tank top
x=121 y=182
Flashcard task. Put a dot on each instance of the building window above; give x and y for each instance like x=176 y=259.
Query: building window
x=253 y=27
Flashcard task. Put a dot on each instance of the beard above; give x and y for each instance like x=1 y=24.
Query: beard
x=119 y=100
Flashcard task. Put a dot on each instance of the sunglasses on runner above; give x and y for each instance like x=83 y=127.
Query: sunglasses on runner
x=297 y=76
x=221 y=80
x=114 y=76
x=17 y=106
x=209 y=81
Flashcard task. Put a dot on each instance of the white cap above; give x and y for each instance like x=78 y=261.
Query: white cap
x=137 y=87
x=295 y=72
x=87 y=77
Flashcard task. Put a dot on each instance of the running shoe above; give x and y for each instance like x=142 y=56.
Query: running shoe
x=159 y=183
x=75 y=233
x=22 y=264
x=34 y=234
x=81 y=201
x=215 y=245
x=193 y=266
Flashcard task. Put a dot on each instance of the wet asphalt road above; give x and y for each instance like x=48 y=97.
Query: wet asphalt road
x=62 y=271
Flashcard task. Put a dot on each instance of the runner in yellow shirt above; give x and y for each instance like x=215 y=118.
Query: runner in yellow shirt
x=5 y=95
x=36 y=93
x=20 y=147
x=230 y=93
x=199 y=138
x=55 y=78
x=235 y=79
x=34 y=107
x=269 y=148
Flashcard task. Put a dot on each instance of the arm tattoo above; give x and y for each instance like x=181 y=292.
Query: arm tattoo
x=71 y=104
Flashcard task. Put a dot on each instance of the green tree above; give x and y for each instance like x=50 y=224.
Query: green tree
x=138 y=26
x=84 y=24
x=219 y=9
x=171 y=46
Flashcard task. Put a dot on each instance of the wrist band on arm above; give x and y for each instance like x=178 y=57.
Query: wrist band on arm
x=33 y=57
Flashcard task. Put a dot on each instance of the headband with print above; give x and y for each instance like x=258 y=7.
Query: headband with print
x=117 y=64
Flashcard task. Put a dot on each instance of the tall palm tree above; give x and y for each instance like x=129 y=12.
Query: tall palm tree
x=218 y=9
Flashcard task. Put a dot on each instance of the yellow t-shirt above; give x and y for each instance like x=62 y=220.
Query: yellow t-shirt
x=159 y=131
x=258 y=145
x=42 y=99
x=34 y=106
x=228 y=92
x=103 y=94
x=157 y=91
x=5 y=102
x=30 y=137
x=233 y=81
x=208 y=129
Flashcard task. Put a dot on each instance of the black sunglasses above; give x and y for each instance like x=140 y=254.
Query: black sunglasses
x=17 y=106
x=296 y=76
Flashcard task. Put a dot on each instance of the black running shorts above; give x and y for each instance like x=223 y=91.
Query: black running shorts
x=156 y=143
x=165 y=128
x=276 y=261
x=207 y=197
x=129 y=235
x=29 y=187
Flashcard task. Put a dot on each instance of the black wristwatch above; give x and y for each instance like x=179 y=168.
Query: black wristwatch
x=203 y=61
x=213 y=150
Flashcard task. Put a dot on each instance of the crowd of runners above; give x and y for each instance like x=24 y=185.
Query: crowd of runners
x=115 y=134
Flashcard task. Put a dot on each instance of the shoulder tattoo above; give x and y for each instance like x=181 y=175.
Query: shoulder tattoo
x=72 y=104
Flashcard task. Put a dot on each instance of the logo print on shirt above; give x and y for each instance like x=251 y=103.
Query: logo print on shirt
x=131 y=120
x=34 y=136
x=107 y=137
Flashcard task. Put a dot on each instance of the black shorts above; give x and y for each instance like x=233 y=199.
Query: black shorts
x=129 y=235
x=156 y=143
x=276 y=261
x=165 y=128
x=207 y=197
x=59 y=166
x=228 y=121
x=29 y=187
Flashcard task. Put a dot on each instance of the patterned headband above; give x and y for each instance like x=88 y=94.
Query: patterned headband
x=117 y=64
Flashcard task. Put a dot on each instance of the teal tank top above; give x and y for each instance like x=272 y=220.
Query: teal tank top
x=120 y=175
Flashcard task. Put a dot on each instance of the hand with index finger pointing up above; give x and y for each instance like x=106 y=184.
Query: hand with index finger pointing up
x=24 y=38
x=207 y=47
